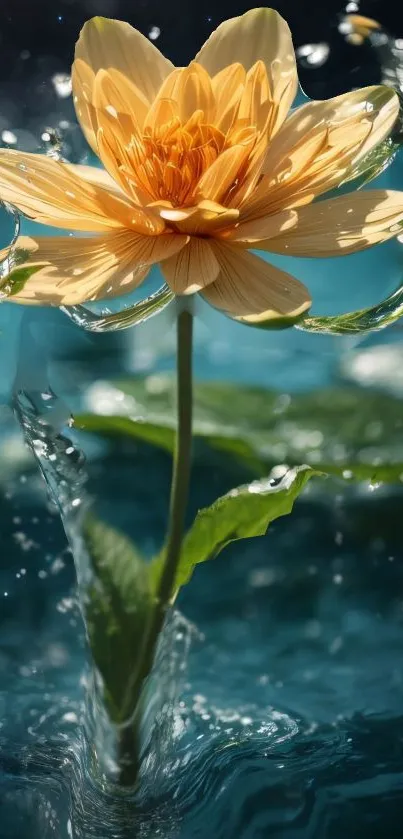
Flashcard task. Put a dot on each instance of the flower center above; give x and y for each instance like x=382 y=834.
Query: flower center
x=169 y=159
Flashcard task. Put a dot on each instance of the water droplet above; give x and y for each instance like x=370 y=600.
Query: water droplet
x=313 y=55
x=154 y=33
x=9 y=137
x=62 y=85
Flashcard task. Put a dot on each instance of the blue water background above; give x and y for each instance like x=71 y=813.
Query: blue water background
x=289 y=723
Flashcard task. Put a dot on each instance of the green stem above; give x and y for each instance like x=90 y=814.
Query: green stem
x=128 y=757
x=182 y=460
x=129 y=742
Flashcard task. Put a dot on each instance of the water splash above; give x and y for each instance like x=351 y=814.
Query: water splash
x=46 y=421
x=87 y=767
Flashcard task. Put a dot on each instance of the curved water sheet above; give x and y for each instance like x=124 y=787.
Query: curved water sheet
x=371 y=319
x=84 y=775
x=131 y=315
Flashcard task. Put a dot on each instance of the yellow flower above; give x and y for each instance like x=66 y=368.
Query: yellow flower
x=201 y=164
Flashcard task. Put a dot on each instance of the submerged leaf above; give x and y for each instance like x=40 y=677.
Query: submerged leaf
x=121 y=598
x=117 y=611
x=332 y=429
x=162 y=436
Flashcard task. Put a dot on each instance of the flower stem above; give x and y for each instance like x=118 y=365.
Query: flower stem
x=128 y=754
x=128 y=746
x=182 y=459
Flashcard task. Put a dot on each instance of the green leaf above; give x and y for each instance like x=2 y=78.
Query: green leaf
x=120 y=598
x=132 y=316
x=334 y=429
x=117 y=610
x=115 y=426
x=163 y=436
x=241 y=514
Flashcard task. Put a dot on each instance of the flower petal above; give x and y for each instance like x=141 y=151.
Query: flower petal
x=249 y=232
x=116 y=148
x=121 y=96
x=194 y=267
x=385 y=111
x=260 y=34
x=50 y=192
x=191 y=89
x=222 y=174
x=104 y=44
x=252 y=290
x=82 y=82
x=206 y=218
x=95 y=175
x=378 y=105
x=118 y=128
x=255 y=103
x=341 y=225
x=73 y=270
x=228 y=87
x=319 y=144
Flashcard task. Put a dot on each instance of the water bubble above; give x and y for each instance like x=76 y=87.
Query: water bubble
x=62 y=85
x=313 y=55
x=9 y=137
x=154 y=33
